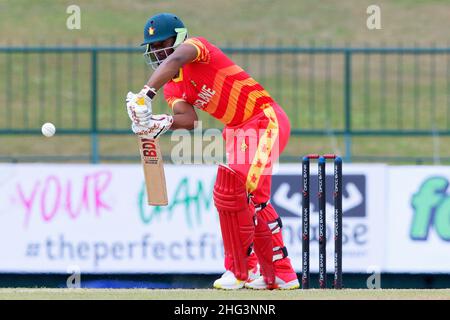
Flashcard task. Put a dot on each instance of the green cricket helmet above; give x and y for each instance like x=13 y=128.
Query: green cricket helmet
x=158 y=28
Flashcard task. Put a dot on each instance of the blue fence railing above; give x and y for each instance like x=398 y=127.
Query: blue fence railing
x=326 y=91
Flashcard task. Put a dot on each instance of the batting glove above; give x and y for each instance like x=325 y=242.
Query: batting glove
x=148 y=94
x=138 y=112
x=158 y=124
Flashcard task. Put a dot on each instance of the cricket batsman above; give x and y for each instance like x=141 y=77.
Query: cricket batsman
x=196 y=75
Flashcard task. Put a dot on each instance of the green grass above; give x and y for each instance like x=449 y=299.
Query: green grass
x=233 y=21
x=209 y=294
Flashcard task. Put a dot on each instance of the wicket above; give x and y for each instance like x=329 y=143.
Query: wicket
x=337 y=195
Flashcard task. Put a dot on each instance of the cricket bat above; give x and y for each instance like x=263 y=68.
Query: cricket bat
x=155 y=179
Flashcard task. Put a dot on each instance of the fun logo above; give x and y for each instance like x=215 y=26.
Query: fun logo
x=151 y=31
x=431 y=206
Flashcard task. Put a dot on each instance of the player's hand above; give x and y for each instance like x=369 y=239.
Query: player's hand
x=158 y=124
x=138 y=111
x=144 y=94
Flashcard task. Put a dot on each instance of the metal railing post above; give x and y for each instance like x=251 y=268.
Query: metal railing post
x=347 y=104
x=94 y=101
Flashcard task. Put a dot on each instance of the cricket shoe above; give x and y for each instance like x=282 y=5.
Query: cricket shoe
x=228 y=281
x=280 y=284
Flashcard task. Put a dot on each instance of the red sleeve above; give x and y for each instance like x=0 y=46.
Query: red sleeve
x=172 y=94
x=203 y=54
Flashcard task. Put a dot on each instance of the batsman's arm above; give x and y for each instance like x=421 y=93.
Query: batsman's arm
x=185 y=53
x=184 y=116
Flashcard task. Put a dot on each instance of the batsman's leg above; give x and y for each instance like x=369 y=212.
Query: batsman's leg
x=276 y=268
x=237 y=227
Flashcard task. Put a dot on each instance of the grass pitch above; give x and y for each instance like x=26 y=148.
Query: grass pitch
x=209 y=294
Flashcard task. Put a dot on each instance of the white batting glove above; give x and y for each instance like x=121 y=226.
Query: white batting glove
x=158 y=124
x=144 y=93
x=138 y=112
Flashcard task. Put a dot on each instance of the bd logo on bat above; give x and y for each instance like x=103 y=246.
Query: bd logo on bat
x=149 y=152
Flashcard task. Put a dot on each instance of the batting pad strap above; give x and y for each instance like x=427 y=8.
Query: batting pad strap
x=279 y=253
x=261 y=206
x=275 y=226
x=250 y=249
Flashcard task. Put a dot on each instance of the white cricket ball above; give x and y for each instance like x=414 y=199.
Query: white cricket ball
x=48 y=129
